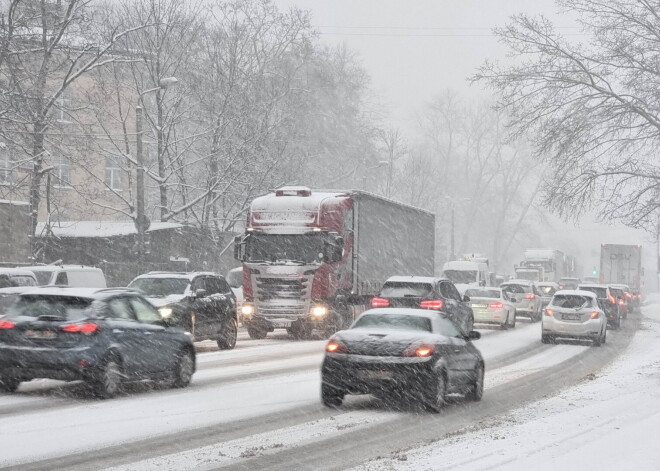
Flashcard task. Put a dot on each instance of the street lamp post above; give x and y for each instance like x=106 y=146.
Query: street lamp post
x=141 y=220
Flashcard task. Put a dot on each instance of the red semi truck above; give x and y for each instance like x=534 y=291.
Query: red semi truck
x=312 y=259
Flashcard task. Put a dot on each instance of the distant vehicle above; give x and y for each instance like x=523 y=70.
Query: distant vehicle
x=607 y=301
x=631 y=299
x=499 y=279
x=466 y=274
x=621 y=264
x=436 y=294
x=404 y=352
x=552 y=261
x=202 y=303
x=535 y=274
x=568 y=283
x=312 y=258
x=574 y=314
x=491 y=305
x=620 y=295
x=101 y=336
x=547 y=289
x=78 y=276
x=15 y=277
x=528 y=299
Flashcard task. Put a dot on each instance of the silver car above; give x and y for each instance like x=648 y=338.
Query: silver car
x=528 y=301
x=491 y=305
x=574 y=314
x=547 y=289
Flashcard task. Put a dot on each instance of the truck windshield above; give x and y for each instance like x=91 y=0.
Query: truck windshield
x=306 y=248
x=461 y=276
x=527 y=275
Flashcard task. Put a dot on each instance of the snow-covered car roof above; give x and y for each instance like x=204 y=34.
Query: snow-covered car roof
x=91 y=293
x=619 y=286
x=576 y=292
x=402 y=311
x=413 y=279
x=463 y=265
x=59 y=267
x=173 y=274
x=592 y=285
x=16 y=272
x=518 y=282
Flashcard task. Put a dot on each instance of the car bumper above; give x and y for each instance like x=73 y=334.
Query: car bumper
x=27 y=363
x=588 y=328
x=489 y=316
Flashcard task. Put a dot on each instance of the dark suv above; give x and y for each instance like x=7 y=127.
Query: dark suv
x=101 y=336
x=202 y=303
x=437 y=294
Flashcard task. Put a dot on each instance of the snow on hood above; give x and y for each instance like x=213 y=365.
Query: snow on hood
x=167 y=300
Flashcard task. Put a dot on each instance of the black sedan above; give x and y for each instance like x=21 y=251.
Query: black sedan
x=405 y=352
x=101 y=336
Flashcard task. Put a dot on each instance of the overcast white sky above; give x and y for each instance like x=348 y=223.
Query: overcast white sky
x=415 y=49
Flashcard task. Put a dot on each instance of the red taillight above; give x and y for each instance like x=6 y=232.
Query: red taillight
x=629 y=295
x=335 y=346
x=380 y=302
x=435 y=304
x=548 y=312
x=7 y=324
x=611 y=299
x=621 y=302
x=496 y=305
x=86 y=328
x=595 y=314
x=419 y=350
x=530 y=296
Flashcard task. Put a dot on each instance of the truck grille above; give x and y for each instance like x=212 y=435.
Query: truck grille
x=282 y=297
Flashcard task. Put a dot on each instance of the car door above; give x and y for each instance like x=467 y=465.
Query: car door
x=461 y=312
x=461 y=359
x=127 y=335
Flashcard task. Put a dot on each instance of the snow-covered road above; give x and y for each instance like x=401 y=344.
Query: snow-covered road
x=254 y=403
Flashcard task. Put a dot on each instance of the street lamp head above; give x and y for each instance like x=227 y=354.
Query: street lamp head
x=166 y=82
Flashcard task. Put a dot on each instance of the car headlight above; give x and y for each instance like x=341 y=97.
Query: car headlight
x=165 y=312
x=247 y=309
x=319 y=310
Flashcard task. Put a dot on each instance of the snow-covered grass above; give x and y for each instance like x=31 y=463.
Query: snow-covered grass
x=609 y=422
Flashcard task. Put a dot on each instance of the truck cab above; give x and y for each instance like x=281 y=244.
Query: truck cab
x=465 y=274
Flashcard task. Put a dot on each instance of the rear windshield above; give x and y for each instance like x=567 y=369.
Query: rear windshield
x=393 y=321
x=63 y=307
x=571 y=301
x=547 y=290
x=516 y=289
x=406 y=290
x=600 y=292
x=483 y=293
x=461 y=276
x=160 y=286
x=617 y=292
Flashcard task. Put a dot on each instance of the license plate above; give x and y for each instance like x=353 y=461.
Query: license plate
x=571 y=317
x=375 y=374
x=41 y=334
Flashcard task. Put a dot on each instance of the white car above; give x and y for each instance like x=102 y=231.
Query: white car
x=528 y=300
x=491 y=305
x=574 y=314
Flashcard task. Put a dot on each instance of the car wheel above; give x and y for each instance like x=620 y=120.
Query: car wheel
x=513 y=324
x=604 y=336
x=8 y=384
x=596 y=341
x=257 y=332
x=477 y=389
x=109 y=379
x=437 y=398
x=546 y=339
x=228 y=336
x=331 y=397
x=184 y=369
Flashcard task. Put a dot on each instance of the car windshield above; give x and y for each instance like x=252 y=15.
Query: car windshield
x=516 y=289
x=63 y=307
x=235 y=278
x=461 y=276
x=43 y=277
x=307 y=248
x=571 y=301
x=599 y=292
x=547 y=290
x=528 y=275
x=160 y=286
x=483 y=293
x=406 y=290
x=393 y=321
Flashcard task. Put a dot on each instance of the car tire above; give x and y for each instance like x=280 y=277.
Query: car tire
x=513 y=324
x=437 y=398
x=8 y=384
x=184 y=369
x=604 y=335
x=331 y=397
x=228 y=336
x=107 y=383
x=546 y=339
x=257 y=333
x=477 y=389
x=596 y=341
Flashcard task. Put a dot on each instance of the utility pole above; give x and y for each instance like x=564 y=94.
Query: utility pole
x=141 y=217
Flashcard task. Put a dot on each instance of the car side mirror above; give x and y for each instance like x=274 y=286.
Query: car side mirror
x=239 y=247
x=474 y=335
x=200 y=293
x=466 y=298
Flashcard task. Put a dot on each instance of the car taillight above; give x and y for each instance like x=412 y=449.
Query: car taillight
x=548 y=312
x=629 y=295
x=530 y=296
x=380 y=302
x=419 y=350
x=335 y=346
x=7 y=324
x=496 y=305
x=432 y=304
x=611 y=299
x=595 y=314
x=86 y=328
x=621 y=302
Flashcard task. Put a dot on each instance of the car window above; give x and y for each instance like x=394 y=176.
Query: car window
x=398 y=289
x=393 y=321
x=62 y=279
x=224 y=286
x=453 y=292
x=483 y=293
x=516 y=289
x=547 y=290
x=120 y=308
x=198 y=283
x=160 y=286
x=212 y=286
x=448 y=328
x=145 y=312
x=65 y=307
x=571 y=301
x=600 y=292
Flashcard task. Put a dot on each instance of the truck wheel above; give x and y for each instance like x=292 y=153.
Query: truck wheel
x=300 y=330
x=257 y=333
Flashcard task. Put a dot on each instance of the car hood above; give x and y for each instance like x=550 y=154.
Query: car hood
x=382 y=342
x=167 y=300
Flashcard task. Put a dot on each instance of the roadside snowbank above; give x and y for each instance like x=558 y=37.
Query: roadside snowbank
x=608 y=422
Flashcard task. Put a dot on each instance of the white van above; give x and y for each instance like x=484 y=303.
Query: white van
x=466 y=274
x=12 y=277
x=78 y=276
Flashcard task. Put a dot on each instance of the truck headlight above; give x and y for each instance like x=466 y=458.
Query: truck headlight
x=319 y=310
x=165 y=312
x=247 y=310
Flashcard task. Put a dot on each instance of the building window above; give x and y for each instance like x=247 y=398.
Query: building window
x=62 y=170
x=112 y=174
x=7 y=172
x=63 y=107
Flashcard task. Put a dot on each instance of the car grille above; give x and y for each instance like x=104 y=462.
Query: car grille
x=282 y=297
